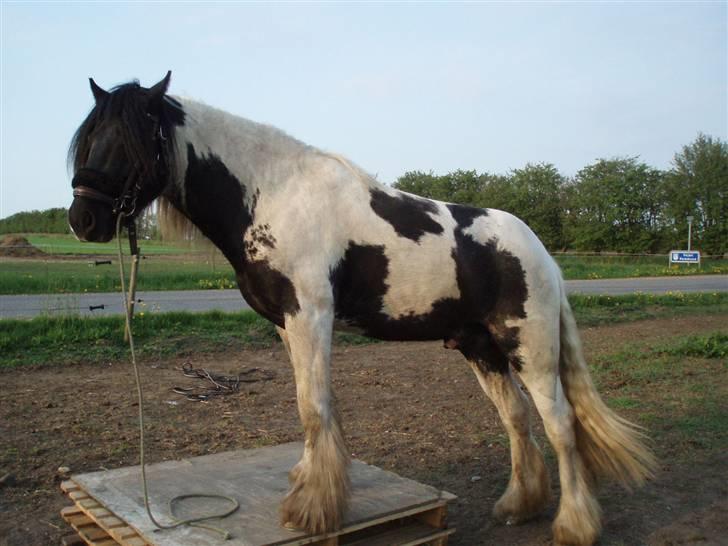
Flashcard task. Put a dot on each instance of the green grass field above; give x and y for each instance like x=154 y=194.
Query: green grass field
x=175 y=267
x=76 y=276
x=59 y=244
x=72 y=339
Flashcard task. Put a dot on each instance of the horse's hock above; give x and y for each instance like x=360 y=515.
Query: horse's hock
x=385 y=509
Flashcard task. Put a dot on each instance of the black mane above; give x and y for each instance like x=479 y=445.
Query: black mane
x=128 y=103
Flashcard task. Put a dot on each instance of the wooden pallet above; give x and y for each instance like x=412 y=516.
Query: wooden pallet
x=385 y=509
x=94 y=524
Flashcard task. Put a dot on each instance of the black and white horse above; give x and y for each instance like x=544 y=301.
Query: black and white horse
x=317 y=244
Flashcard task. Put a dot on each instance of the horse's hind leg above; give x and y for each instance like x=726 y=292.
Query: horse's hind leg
x=578 y=521
x=319 y=489
x=528 y=489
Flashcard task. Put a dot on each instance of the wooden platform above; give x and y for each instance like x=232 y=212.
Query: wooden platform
x=385 y=509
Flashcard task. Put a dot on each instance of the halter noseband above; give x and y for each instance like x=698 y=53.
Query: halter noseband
x=90 y=193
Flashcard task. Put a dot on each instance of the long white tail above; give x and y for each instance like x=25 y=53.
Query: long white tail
x=610 y=446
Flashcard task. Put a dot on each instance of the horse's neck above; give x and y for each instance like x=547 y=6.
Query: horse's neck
x=224 y=168
x=259 y=156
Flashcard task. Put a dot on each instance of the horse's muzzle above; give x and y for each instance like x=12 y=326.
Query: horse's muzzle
x=91 y=220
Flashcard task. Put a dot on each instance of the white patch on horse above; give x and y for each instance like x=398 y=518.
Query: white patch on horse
x=422 y=272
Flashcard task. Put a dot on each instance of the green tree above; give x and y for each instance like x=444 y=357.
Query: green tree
x=618 y=205
x=36 y=221
x=535 y=197
x=456 y=187
x=698 y=186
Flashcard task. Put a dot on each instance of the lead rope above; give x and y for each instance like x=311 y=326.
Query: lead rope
x=192 y=522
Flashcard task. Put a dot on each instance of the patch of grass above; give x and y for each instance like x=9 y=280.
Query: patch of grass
x=61 y=340
x=617 y=267
x=677 y=389
x=595 y=310
x=56 y=243
x=77 y=276
x=623 y=402
x=704 y=346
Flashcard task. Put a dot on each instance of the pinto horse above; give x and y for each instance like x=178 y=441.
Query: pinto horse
x=317 y=244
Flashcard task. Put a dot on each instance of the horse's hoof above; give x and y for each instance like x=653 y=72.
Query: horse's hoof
x=289 y=526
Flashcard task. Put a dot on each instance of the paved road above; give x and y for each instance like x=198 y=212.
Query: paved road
x=230 y=300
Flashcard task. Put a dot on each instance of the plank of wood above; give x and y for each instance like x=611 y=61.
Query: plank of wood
x=72 y=540
x=110 y=522
x=259 y=480
x=79 y=520
x=71 y=511
x=86 y=528
x=408 y=535
x=68 y=485
x=77 y=495
x=435 y=517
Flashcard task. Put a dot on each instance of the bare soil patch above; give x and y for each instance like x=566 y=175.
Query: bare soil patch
x=19 y=247
x=412 y=408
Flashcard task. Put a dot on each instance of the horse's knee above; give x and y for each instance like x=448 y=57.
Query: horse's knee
x=560 y=430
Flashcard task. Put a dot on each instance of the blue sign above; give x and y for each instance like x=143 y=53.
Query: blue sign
x=684 y=257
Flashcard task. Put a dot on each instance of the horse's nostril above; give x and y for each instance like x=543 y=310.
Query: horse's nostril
x=87 y=221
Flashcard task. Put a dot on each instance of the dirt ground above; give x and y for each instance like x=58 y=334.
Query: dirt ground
x=412 y=408
x=19 y=247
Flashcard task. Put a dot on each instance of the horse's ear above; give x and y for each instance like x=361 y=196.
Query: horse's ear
x=156 y=94
x=99 y=94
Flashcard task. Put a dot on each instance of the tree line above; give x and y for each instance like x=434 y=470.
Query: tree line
x=36 y=221
x=619 y=204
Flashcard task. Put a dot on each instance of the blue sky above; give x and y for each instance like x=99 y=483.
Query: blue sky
x=394 y=87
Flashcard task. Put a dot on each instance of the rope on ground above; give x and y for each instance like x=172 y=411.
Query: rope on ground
x=221 y=384
x=192 y=522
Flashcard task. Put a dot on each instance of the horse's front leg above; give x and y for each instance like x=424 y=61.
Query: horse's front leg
x=319 y=482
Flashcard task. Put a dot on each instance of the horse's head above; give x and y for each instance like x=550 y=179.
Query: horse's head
x=120 y=156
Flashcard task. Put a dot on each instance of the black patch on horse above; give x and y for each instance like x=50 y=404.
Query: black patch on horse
x=408 y=215
x=495 y=282
x=215 y=203
x=359 y=285
x=128 y=105
x=489 y=352
x=477 y=345
x=489 y=279
x=464 y=215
